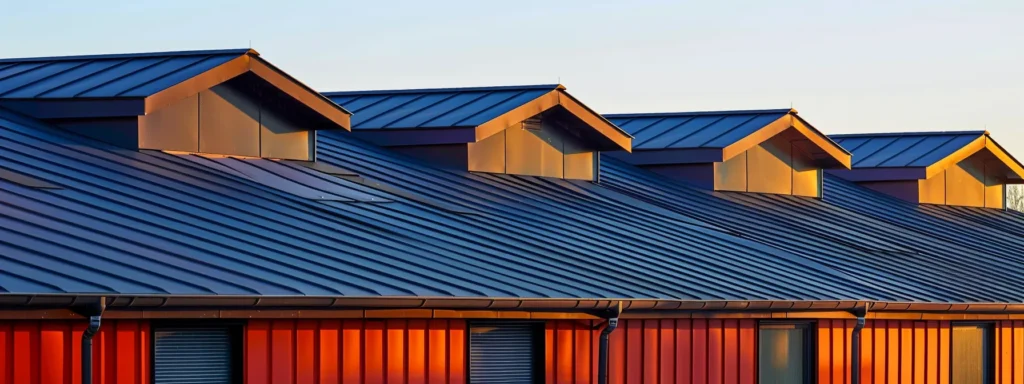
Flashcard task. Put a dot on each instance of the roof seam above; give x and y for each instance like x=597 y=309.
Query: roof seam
x=883 y=147
x=456 y=124
x=13 y=75
x=463 y=105
x=44 y=78
x=179 y=69
x=59 y=86
x=384 y=112
x=442 y=90
x=936 y=148
x=90 y=89
x=400 y=118
x=696 y=113
x=127 y=55
x=686 y=136
x=725 y=132
x=665 y=132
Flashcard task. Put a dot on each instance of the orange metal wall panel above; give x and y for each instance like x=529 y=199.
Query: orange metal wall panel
x=355 y=351
x=655 y=351
x=1009 y=352
x=891 y=351
x=49 y=352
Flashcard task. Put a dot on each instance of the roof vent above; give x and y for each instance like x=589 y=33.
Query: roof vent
x=524 y=130
x=765 y=151
x=948 y=168
x=228 y=102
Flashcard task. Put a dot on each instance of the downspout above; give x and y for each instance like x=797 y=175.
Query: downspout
x=94 y=312
x=855 y=343
x=602 y=351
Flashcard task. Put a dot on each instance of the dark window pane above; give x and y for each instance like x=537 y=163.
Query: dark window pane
x=969 y=355
x=782 y=354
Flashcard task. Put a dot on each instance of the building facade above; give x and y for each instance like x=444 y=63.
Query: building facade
x=204 y=217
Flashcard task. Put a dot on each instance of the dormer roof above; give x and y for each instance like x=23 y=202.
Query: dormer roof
x=918 y=155
x=715 y=136
x=97 y=86
x=466 y=115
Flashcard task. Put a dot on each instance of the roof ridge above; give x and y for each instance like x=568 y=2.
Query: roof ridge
x=697 y=113
x=442 y=90
x=238 y=51
x=905 y=134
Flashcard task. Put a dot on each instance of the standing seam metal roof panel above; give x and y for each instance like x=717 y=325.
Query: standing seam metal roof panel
x=917 y=149
x=694 y=129
x=434 y=108
x=105 y=76
x=158 y=223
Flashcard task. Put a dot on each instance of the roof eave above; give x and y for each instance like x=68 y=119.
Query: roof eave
x=583 y=305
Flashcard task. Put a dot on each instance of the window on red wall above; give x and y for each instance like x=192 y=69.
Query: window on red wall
x=196 y=354
x=971 y=358
x=785 y=353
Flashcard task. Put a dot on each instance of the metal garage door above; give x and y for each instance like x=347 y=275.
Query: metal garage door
x=191 y=355
x=502 y=352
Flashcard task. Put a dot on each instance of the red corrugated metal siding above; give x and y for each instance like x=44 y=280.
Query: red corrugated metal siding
x=654 y=351
x=49 y=352
x=892 y=351
x=355 y=351
x=1009 y=354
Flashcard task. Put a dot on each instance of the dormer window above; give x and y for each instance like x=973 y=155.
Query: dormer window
x=948 y=168
x=523 y=130
x=764 y=151
x=228 y=102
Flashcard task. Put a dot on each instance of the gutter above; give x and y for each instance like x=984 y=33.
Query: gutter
x=594 y=306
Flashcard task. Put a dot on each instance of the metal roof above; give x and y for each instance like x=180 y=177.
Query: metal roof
x=367 y=222
x=153 y=223
x=917 y=257
x=105 y=76
x=911 y=149
x=434 y=108
x=684 y=130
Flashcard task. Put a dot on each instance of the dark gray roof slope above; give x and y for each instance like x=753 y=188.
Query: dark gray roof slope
x=153 y=223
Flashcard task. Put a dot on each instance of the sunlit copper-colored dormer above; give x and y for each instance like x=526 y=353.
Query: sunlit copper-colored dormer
x=535 y=130
x=948 y=168
x=765 y=151
x=225 y=102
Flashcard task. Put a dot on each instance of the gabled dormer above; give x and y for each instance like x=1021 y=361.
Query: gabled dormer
x=226 y=102
x=949 y=168
x=535 y=130
x=766 y=151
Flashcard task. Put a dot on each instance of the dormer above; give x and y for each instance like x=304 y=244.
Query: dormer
x=949 y=168
x=523 y=130
x=765 y=151
x=226 y=102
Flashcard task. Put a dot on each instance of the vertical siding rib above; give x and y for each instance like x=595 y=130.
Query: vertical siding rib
x=892 y=351
x=49 y=352
x=355 y=351
x=684 y=350
x=657 y=351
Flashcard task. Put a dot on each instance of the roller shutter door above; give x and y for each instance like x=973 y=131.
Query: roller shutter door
x=503 y=352
x=192 y=355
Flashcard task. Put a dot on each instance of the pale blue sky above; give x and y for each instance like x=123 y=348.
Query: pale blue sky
x=847 y=66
